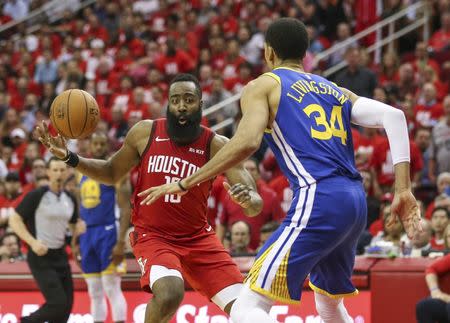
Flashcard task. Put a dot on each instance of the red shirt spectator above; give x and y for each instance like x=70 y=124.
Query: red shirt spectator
x=281 y=187
x=381 y=161
x=174 y=61
x=441 y=38
x=216 y=195
x=428 y=115
x=232 y=212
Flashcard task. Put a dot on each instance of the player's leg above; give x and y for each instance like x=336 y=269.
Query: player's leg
x=112 y=287
x=111 y=274
x=96 y=295
x=331 y=277
x=161 y=274
x=251 y=307
x=168 y=293
x=209 y=269
x=91 y=267
x=331 y=310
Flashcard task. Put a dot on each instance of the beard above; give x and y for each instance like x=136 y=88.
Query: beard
x=186 y=133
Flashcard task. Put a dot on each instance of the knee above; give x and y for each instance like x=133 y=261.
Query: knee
x=169 y=300
x=326 y=306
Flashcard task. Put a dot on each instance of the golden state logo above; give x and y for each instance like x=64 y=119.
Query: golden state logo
x=90 y=194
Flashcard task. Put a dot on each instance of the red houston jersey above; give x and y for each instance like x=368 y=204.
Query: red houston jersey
x=163 y=162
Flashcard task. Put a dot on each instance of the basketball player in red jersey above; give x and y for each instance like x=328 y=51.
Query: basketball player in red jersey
x=172 y=240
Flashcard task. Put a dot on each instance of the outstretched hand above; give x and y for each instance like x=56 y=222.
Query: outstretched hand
x=56 y=145
x=404 y=208
x=153 y=193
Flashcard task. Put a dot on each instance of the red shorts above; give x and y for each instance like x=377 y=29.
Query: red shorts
x=203 y=261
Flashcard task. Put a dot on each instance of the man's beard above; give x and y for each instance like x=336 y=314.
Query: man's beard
x=186 y=133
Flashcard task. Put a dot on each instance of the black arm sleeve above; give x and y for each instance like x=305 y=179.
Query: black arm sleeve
x=74 y=217
x=27 y=207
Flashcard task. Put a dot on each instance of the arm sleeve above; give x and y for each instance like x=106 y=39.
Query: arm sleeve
x=27 y=207
x=373 y=114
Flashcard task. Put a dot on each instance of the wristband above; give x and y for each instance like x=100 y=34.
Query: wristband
x=72 y=159
x=184 y=189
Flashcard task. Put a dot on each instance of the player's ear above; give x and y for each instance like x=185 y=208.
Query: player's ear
x=200 y=104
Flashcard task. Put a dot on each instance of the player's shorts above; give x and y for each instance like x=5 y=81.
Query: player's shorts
x=202 y=260
x=96 y=246
x=318 y=237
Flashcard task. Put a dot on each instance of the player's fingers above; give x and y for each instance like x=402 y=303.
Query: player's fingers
x=242 y=194
x=146 y=192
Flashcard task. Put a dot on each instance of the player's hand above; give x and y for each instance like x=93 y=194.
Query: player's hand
x=404 y=208
x=153 y=193
x=39 y=247
x=80 y=227
x=56 y=145
x=239 y=193
x=118 y=253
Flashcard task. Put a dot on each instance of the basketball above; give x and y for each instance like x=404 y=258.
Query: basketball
x=74 y=114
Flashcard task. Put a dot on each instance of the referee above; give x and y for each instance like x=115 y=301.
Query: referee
x=41 y=220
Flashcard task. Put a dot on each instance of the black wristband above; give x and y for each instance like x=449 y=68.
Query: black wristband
x=72 y=159
x=184 y=189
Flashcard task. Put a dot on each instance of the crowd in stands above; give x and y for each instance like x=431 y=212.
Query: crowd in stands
x=125 y=53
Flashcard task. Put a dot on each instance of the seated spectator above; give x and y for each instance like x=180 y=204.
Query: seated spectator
x=373 y=204
x=10 y=248
x=440 y=40
x=422 y=140
x=232 y=212
x=388 y=73
x=439 y=222
x=12 y=197
x=421 y=241
x=443 y=198
x=429 y=110
x=388 y=241
x=284 y=193
x=46 y=70
x=440 y=148
x=343 y=33
x=436 y=307
x=240 y=239
x=423 y=60
x=266 y=231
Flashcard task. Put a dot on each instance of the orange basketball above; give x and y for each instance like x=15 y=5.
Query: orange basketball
x=74 y=114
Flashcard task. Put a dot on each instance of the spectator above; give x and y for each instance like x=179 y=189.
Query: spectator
x=46 y=70
x=406 y=81
x=38 y=170
x=373 y=204
x=440 y=40
x=231 y=212
x=442 y=199
x=439 y=221
x=440 y=144
x=218 y=94
x=429 y=111
x=422 y=59
x=240 y=239
x=421 y=241
x=281 y=187
x=389 y=69
x=391 y=235
x=10 y=200
x=10 y=248
x=343 y=33
x=357 y=79
x=435 y=308
x=266 y=231
x=422 y=140
x=16 y=9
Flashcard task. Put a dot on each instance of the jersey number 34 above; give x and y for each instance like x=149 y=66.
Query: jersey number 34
x=326 y=129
